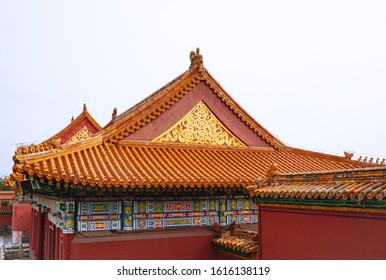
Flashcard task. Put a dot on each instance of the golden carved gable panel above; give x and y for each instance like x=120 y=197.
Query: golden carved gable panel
x=82 y=134
x=200 y=126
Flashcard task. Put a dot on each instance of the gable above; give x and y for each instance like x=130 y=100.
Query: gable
x=162 y=109
x=79 y=131
x=200 y=93
x=82 y=134
x=81 y=128
x=200 y=126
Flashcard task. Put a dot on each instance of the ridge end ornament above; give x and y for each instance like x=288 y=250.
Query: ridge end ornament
x=196 y=58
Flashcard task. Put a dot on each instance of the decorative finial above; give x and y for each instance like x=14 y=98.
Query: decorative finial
x=84 y=107
x=271 y=172
x=56 y=143
x=195 y=58
x=72 y=118
x=114 y=115
x=348 y=155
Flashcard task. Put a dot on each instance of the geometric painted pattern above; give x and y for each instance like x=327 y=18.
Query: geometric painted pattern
x=99 y=215
x=242 y=219
x=170 y=214
x=175 y=222
x=175 y=215
x=127 y=215
x=175 y=206
x=99 y=225
x=139 y=215
x=99 y=208
x=242 y=211
x=240 y=204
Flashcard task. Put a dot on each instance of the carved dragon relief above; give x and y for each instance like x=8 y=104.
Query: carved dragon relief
x=200 y=126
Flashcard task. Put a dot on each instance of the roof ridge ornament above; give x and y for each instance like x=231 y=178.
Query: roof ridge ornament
x=272 y=172
x=196 y=58
x=114 y=114
x=349 y=154
x=84 y=107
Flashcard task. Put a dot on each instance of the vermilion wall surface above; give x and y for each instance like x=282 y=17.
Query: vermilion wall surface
x=21 y=217
x=5 y=220
x=189 y=244
x=291 y=234
x=183 y=106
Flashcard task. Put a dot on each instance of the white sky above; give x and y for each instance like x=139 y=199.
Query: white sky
x=311 y=72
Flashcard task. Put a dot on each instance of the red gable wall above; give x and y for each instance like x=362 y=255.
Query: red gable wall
x=313 y=235
x=182 y=107
x=78 y=127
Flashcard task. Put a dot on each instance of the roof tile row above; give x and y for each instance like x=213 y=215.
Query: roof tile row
x=129 y=164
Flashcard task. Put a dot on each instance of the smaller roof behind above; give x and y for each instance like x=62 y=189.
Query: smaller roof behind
x=71 y=133
x=7 y=195
x=361 y=188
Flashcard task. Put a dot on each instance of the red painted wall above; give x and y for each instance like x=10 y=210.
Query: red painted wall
x=21 y=217
x=178 y=244
x=183 y=106
x=298 y=234
x=5 y=220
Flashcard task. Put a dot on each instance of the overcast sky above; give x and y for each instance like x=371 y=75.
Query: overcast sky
x=312 y=72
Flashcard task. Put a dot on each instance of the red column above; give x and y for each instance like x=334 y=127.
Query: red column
x=46 y=236
x=66 y=246
x=39 y=235
x=32 y=236
x=57 y=242
x=260 y=253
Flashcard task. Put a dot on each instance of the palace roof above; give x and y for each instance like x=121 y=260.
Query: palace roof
x=189 y=133
x=7 y=195
x=357 y=188
x=142 y=164
x=82 y=127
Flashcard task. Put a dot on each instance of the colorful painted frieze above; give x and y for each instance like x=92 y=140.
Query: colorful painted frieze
x=46 y=202
x=242 y=219
x=99 y=215
x=241 y=212
x=175 y=215
x=127 y=215
x=239 y=204
x=142 y=207
x=174 y=222
x=99 y=225
x=68 y=223
x=99 y=208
